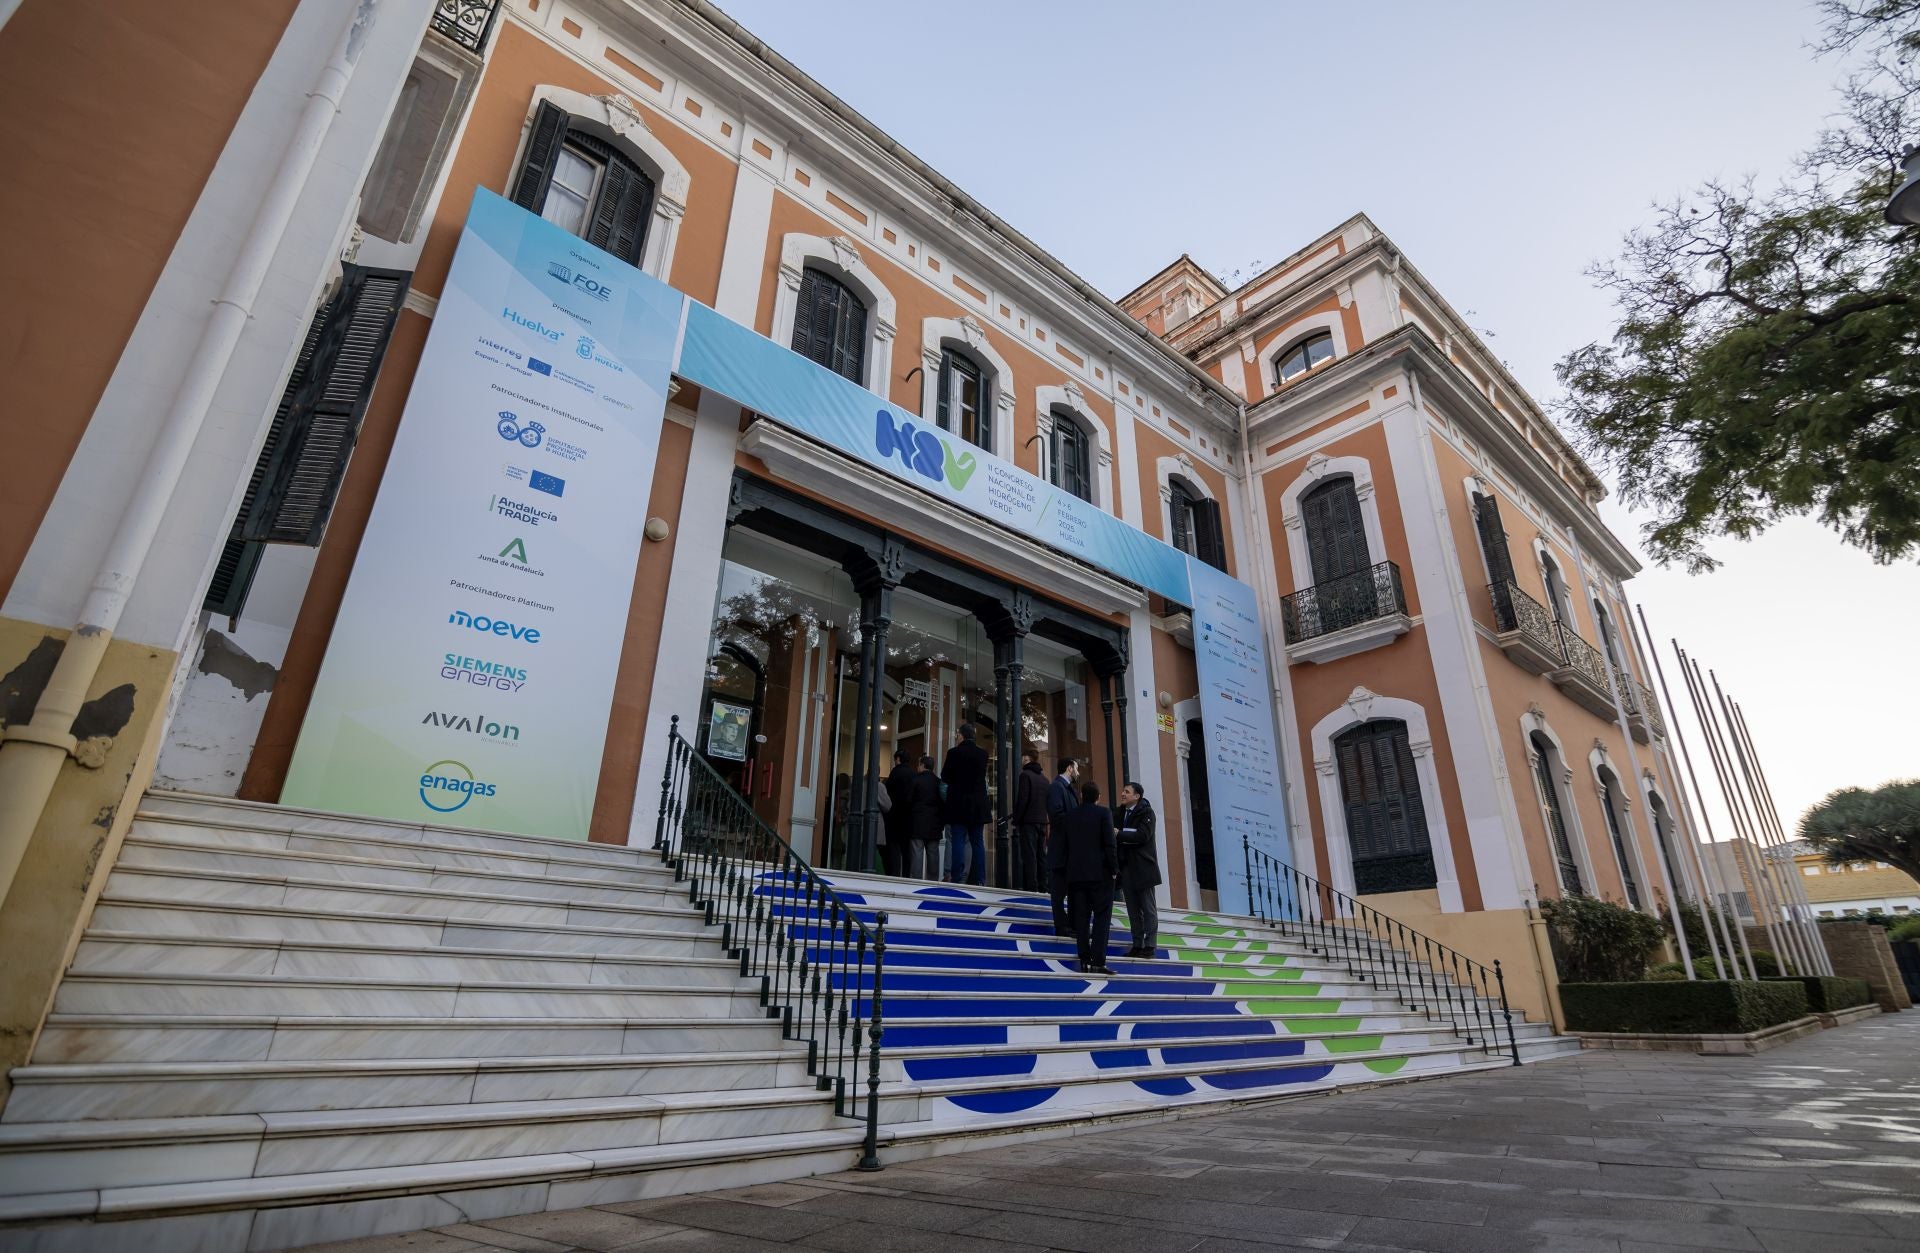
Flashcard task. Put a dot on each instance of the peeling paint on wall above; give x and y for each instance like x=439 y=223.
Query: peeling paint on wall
x=217 y=718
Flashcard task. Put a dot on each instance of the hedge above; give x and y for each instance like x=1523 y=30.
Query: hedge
x=1825 y=994
x=1706 y=1007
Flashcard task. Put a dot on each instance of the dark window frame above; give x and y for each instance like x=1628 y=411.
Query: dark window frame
x=1305 y=351
x=1071 y=451
x=1388 y=841
x=956 y=366
x=1559 y=835
x=619 y=212
x=830 y=324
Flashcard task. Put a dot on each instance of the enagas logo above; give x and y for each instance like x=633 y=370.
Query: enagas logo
x=923 y=451
x=448 y=785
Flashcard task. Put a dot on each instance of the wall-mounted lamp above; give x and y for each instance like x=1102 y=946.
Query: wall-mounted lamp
x=657 y=529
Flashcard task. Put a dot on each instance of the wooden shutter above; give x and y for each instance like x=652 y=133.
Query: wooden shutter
x=623 y=206
x=1336 y=535
x=1209 y=540
x=850 y=336
x=1180 y=515
x=802 y=341
x=830 y=325
x=1556 y=820
x=1386 y=817
x=942 y=407
x=296 y=478
x=1493 y=538
x=1610 y=802
x=543 y=153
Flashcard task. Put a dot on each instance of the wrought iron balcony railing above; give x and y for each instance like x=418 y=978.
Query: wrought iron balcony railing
x=1344 y=602
x=1582 y=658
x=466 y=22
x=1650 y=709
x=1514 y=610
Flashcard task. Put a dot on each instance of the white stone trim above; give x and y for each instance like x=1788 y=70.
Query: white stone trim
x=1071 y=398
x=968 y=334
x=1562 y=777
x=1164 y=470
x=1331 y=321
x=840 y=257
x=617 y=120
x=1364 y=706
x=743 y=258
x=1319 y=470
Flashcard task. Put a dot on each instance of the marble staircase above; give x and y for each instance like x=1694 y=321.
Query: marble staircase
x=284 y=1027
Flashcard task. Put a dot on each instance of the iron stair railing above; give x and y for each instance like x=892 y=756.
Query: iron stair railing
x=1429 y=978
x=814 y=957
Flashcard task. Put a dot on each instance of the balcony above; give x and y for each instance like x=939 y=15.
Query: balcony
x=1643 y=716
x=466 y=22
x=1525 y=630
x=1583 y=676
x=1346 y=615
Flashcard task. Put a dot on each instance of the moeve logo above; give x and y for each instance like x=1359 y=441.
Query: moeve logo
x=494 y=626
x=922 y=451
x=529 y=324
x=586 y=283
x=453 y=782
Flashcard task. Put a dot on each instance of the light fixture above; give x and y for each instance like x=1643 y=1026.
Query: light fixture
x=1904 y=208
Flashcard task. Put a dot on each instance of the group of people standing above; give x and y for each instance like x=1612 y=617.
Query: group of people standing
x=1063 y=841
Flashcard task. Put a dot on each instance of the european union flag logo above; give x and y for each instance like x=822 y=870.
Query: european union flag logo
x=547 y=483
x=538 y=366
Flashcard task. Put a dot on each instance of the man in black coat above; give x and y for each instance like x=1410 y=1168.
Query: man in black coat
x=968 y=808
x=923 y=823
x=1060 y=802
x=1081 y=852
x=1029 y=818
x=898 y=819
x=1134 y=823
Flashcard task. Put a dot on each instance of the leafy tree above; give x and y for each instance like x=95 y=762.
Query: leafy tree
x=1597 y=941
x=1855 y=824
x=1766 y=361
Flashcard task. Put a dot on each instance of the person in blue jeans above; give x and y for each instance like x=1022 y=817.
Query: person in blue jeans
x=968 y=810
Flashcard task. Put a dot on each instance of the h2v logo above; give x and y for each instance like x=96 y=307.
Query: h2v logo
x=922 y=451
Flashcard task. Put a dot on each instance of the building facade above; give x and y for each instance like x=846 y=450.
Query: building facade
x=1466 y=717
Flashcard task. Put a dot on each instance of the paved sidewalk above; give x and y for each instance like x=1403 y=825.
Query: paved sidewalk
x=1814 y=1146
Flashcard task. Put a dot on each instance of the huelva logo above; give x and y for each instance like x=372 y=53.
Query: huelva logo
x=923 y=451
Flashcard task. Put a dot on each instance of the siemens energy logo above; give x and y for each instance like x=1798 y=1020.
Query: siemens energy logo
x=448 y=785
x=922 y=451
x=530 y=324
x=494 y=626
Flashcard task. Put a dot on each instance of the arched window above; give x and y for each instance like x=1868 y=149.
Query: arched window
x=1543 y=755
x=1386 y=819
x=1616 y=822
x=1336 y=533
x=1663 y=836
x=1607 y=642
x=1557 y=598
x=1304 y=355
x=1072 y=455
x=1194 y=523
x=830 y=325
x=584 y=185
x=962 y=404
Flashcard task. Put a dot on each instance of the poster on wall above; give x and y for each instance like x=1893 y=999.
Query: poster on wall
x=1236 y=704
x=470 y=674
x=727 y=725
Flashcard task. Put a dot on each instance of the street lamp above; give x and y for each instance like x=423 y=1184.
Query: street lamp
x=1904 y=208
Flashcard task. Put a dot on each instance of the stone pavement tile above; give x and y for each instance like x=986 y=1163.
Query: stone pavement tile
x=690 y=1241
x=407 y=1242
x=1563 y=1201
x=733 y=1217
x=1082 y=1235
x=492 y=1239
x=1831 y=1219
x=1386 y=1205
x=774 y=1194
x=901 y=1179
x=1774 y=1240
x=874 y=1238
x=1548 y=1219
x=1440 y=1238
x=595 y=1229
x=891 y=1211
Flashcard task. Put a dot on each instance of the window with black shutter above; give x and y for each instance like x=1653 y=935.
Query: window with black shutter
x=296 y=478
x=1499 y=558
x=1386 y=818
x=1209 y=540
x=584 y=185
x=1610 y=801
x=1180 y=502
x=830 y=325
x=1072 y=455
x=1543 y=764
x=1343 y=585
x=962 y=405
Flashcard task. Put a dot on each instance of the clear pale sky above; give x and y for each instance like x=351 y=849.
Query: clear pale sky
x=1503 y=146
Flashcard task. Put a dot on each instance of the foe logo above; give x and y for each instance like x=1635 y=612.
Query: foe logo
x=586 y=283
x=922 y=451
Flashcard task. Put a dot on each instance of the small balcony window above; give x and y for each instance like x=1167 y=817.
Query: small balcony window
x=1303 y=357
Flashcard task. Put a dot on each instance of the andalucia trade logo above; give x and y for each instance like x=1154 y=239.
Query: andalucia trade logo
x=922 y=451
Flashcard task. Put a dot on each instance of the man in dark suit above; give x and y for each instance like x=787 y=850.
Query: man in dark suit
x=923 y=823
x=1134 y=824
x=1028 y=816
x=968 y=809
x=898 y=816
x=1060 y=802
x=1082 y=853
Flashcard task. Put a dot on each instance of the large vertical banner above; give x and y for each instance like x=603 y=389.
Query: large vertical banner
x=1236 y=702
x=469 y=677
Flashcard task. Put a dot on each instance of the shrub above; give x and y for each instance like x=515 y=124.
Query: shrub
x=1694 y=921
x=1712 y=1007
x=1905 y=929
x=1765 y=964
x=1598 y=942
x=1703 y=968
x=1825 y=994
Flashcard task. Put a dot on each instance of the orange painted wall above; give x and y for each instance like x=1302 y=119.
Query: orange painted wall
x=1173 y=671
x=1149 y=446
x=114 y=122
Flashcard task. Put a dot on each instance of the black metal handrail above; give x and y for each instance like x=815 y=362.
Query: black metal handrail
x=1514 y=610
x=1344 y=602
x=813 y=955
x=1426 y=976
x=466 y=22
x=1583 y=658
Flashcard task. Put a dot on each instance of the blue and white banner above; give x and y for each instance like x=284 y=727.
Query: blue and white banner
x=470 y=673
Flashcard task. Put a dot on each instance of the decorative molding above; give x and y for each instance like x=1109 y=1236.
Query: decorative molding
x=839 y=256
x=1319 y=468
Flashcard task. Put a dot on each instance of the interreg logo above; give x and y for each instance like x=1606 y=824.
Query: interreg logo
x=586 y=283
x=448 y=785
x=529 y=324
x=922 y=451
x=584 y=349
x=494 y=626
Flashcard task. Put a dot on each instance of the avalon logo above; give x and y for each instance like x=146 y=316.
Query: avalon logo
x=452 y=782
x=480 y=725
x=586 y=283
x=922 y=451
